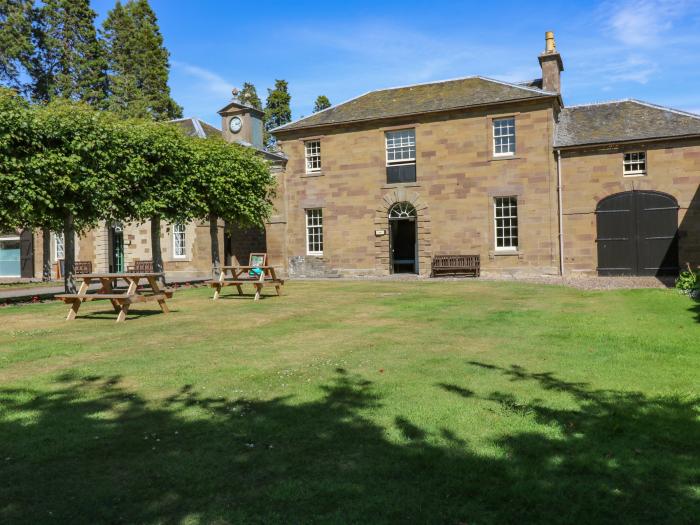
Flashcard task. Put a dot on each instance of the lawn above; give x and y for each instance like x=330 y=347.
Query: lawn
x=356 y=402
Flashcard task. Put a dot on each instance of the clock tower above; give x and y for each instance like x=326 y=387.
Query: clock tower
x=242 y=123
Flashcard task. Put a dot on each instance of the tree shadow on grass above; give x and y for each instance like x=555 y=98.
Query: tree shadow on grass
x=92 y=451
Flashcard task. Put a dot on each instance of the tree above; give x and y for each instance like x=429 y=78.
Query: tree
x=68 y=60
x=80 y=164
x=138 y=63
x=15 y=40
x=21 y=193
x=277 y=110
x=249 y=96
x=232 y=183
x=322 y=103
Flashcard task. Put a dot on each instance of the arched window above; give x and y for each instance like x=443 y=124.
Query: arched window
x=402 y=210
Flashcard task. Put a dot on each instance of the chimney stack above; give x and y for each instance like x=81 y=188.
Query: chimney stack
x=551 y=64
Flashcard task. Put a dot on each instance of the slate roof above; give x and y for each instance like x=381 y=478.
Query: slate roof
x=622 y=121
x=195 y=127
x=419 y=98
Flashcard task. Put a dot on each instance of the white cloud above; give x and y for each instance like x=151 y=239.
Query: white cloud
x=205 y=79
x=642 y=23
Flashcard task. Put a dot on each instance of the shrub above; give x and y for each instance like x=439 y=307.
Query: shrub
x=688 y=282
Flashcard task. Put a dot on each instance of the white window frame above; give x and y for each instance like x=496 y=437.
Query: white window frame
x=512 y=223
x=179 y=234
x=314 y=231
x=58 y=240
x=512 y=142
x=312 y=155
x=633 y=160
x=400 y=140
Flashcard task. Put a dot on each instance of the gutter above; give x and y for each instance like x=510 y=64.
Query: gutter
x=561 y=216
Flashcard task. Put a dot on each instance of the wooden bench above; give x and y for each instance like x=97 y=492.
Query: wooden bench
x=121 y=299
x=141 y=267
x=266 y=277
x=456 y=265
x=82 y=267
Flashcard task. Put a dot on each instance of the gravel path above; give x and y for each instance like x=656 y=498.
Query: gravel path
x=580 y=282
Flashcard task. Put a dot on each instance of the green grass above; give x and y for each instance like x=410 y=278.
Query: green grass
x=6 y=287
x=356 y=402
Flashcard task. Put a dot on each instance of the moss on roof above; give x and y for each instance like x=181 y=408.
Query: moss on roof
x=419 y=98
x=621 y=121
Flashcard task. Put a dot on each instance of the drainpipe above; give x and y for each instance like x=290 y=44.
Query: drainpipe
x=561 y=216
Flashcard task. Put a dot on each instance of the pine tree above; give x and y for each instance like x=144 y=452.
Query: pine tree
x=277 y=110
x=249 y=96
x=138 y=63
x=322 y=103
x=15 y=40
x=68 y=61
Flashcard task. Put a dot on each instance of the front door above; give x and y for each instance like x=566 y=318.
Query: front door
x=403 y=245
x=116 y=249
x=637 y=234
x=10 y=265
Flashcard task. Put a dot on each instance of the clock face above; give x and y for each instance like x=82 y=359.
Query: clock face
x=235 y=124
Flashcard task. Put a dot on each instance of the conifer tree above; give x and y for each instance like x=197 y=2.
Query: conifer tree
x=322 y=103
x=138 y=63
x=249 y=96
x=68 y=61
x=277 y=110
x=15 y=40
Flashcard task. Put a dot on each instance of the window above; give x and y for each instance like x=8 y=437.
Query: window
x=503 y=137
x=314 y=231
x=60 y=246
x=179 y=240
x=401 y=146
x=635 y=163
x=312 y=152
x=400 y=156
x=506 y=219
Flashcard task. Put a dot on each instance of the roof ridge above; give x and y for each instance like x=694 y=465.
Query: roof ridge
x=637 y=101
x=601 y=103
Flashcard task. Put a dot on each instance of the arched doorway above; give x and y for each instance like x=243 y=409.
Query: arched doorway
x=637 y=234
x=403 y=238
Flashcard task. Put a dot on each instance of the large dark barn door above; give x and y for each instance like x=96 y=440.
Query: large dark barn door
x=637 y=234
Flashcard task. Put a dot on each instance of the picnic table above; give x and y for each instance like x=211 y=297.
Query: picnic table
x=239 y=276
x=121 y=298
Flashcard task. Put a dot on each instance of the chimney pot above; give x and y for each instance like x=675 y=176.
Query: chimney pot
x=550 y=45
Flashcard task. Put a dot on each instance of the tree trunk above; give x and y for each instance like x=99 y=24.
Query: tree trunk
x=46 y=254
x=155 y=246
x=69 y=248
x=214 y=236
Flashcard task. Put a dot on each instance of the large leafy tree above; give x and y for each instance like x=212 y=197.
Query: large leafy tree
x=138 y=63
x=80 y=164
x=68 y=60
x=232 y=183
x=15 y=40
x=156 y=185
x=249 y=96
x=321 y=103
x=277 y=110
x=22 y=194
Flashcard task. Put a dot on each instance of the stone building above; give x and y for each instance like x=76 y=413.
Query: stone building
x=186 y=248
x=383 y=182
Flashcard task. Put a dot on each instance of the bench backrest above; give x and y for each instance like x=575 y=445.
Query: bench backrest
x=456 y=261
x=143 y=266
x=82 y=267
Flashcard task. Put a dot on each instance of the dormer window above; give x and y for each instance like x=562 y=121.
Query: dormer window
x=312 y=153
x=634 y=164
x=504 y=137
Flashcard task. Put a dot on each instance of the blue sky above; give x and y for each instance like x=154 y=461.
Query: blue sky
x=645 y=49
